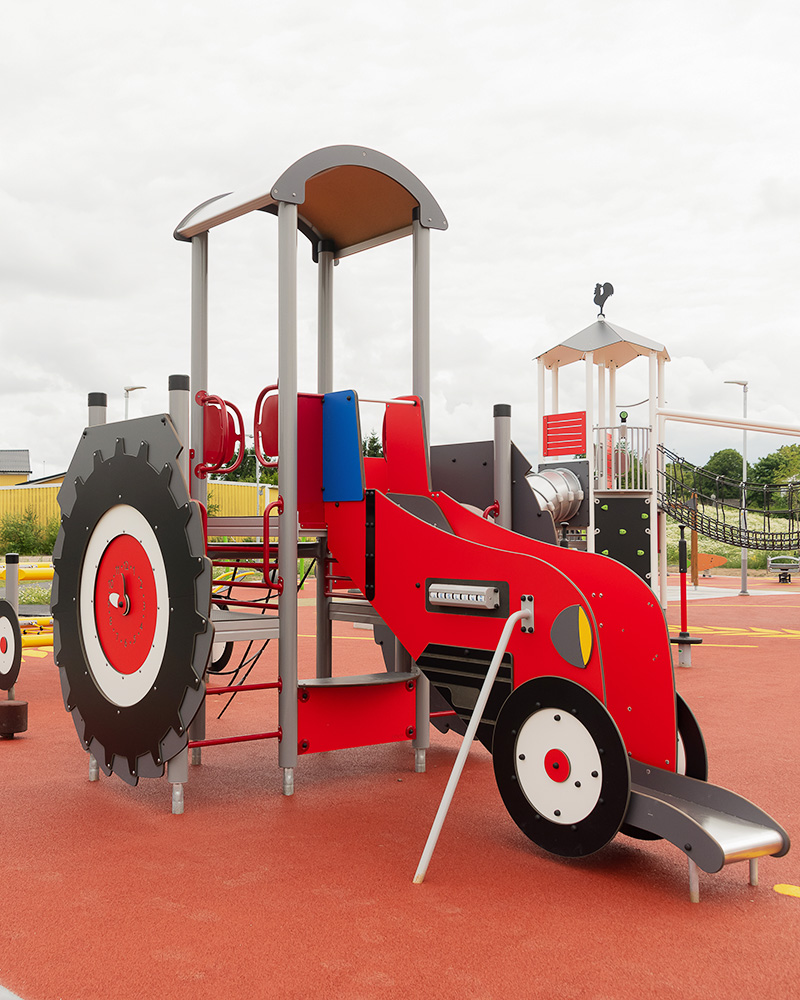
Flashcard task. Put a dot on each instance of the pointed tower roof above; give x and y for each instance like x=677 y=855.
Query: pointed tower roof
x=610 y=344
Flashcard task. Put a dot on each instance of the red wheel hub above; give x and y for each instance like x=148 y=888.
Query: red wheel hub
x=556 y=764
x=125 y=607
x=3 y=644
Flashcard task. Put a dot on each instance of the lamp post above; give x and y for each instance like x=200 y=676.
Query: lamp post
x=743 y=513
x=128 y=390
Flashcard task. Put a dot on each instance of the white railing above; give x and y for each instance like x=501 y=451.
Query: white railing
x=621 y=456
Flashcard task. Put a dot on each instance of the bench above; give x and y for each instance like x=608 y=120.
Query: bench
x=784 y=566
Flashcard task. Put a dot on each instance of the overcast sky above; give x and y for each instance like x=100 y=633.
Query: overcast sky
x=651 y=145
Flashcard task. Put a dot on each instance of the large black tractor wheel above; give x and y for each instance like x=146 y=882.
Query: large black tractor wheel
x=561 y=766
x=131 y=597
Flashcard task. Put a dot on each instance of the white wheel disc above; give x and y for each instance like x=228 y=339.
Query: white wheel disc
x=8 y=647
x=558 y=766
x=119 y=686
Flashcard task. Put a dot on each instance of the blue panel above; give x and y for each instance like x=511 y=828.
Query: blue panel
x=342 y=466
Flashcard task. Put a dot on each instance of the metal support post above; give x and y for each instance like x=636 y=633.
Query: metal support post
x=540 y=409
x=421 y=319
x=753 y=871
x=422 y=738
x=694 y=882
x=12 y=593
x=178 y=775
x=98 y=408
x=502 y=462
x=180 y=408
x=287 y=485
x=652 y=472
x=325 y=320
x=98 y=412
x=589 y=372
x=199 y=357
x=324 y=624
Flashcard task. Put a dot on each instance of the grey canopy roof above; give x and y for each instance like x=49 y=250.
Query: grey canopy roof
x=609 y=343
x=348 y=197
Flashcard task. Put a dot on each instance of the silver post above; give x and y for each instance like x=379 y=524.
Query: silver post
x=502 y=463
x=743 y=510
x=179 y=387
x=589 y=373
x=287 y=484
x=422 y=739
x=199 y=356
x=325 y=318
x=652 y=473
x=324 y=624
x=98 y=412
x=178 y=775
x=753 y=871
x=12 y=580
x=421 y=319
x=694 y=882
x=98 y=408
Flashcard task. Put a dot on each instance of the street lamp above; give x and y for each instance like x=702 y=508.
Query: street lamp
x=128 y=390
x=743 y=514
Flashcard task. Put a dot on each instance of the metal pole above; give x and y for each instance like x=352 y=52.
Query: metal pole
x=324 y=623
x=12 y=594
x=502 y=463
x=744 y=592
x=541 y=408
x=199 y=357
x=98 y=408
x=98 y=411
x=421 y=319
x=179 y=411
x=469 y=736
x=589 y=372
x=325 y=321
x=287 y=485
x=652 y=472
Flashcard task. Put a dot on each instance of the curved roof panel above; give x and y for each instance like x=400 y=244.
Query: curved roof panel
x=349 y=196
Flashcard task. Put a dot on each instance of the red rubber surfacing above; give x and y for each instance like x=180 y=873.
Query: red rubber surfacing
x=125 y=638
x=556 y=764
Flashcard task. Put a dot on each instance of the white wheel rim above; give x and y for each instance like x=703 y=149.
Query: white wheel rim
x=559 y=801
x=7 y=657
x=121 y=689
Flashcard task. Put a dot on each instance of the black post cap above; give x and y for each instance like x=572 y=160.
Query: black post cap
x=98 y=399
x=502 y=409
x=12 y=557
x=179 y=382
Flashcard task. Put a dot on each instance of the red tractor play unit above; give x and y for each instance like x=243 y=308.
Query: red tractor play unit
x=586 y=730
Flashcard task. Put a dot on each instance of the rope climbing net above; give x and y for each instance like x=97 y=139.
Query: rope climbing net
x=769 y=518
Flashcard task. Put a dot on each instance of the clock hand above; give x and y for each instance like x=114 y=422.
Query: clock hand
x=120 y=601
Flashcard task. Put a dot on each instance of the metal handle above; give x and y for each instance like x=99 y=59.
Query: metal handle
x=256 y=422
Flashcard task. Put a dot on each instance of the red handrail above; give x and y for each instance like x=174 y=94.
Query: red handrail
x=203 y=398
x=267 y=550
x=260 y=456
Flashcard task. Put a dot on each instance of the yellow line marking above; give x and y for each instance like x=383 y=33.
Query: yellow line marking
x=728 y=645
x=787 y=890
x=33 y=652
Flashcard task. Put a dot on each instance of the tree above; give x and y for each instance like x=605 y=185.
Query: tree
x=246 y=473
x=727 y=464
x=371 y=446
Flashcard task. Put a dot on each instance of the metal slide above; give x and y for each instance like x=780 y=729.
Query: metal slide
x=711 y=825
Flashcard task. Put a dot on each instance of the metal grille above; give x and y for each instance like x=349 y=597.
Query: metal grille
x=621 y=455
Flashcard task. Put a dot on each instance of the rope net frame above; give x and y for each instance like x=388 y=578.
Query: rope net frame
x=769 y=519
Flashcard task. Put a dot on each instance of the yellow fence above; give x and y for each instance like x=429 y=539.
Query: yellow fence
x=225 y=500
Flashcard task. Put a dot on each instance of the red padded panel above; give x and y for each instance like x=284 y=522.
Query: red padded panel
x=405 y=448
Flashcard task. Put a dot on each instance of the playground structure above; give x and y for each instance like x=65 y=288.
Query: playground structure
x=587 y=733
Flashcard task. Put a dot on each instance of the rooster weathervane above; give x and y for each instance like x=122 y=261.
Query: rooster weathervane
x=601 y=293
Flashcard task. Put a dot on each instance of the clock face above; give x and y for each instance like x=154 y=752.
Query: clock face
x=124 y=605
